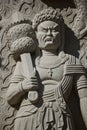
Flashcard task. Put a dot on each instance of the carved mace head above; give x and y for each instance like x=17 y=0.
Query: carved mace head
x=20 y=35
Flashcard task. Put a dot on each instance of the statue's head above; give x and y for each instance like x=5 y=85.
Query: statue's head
x=48 y=26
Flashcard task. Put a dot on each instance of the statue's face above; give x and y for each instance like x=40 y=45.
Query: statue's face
x=48 y=35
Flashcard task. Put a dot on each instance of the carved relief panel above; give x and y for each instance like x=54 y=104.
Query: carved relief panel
x=74 y=13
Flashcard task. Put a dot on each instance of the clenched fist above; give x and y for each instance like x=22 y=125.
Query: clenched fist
x=30 y=83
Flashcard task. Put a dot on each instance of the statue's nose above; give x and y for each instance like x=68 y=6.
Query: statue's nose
x=49 y=32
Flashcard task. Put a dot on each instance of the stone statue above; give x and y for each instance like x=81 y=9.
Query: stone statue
x=51 y=81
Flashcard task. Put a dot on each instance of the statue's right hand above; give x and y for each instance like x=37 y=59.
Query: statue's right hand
x=30 y=83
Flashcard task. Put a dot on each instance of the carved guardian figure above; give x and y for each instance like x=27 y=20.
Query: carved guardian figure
x=52 y=78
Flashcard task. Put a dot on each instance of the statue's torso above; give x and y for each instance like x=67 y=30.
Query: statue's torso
x=50 y=76
x=50 y=99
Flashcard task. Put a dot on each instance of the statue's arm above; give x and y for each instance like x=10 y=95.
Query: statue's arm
x=82 y=92
x=19 y=85
x=15 y=92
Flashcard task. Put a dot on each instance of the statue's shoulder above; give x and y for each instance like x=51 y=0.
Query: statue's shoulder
x=74 y=60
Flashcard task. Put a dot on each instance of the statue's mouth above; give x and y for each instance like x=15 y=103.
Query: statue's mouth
x=48 y=39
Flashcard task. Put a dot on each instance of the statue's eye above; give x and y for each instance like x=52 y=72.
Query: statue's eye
x=55 y=30
x=44 y=30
